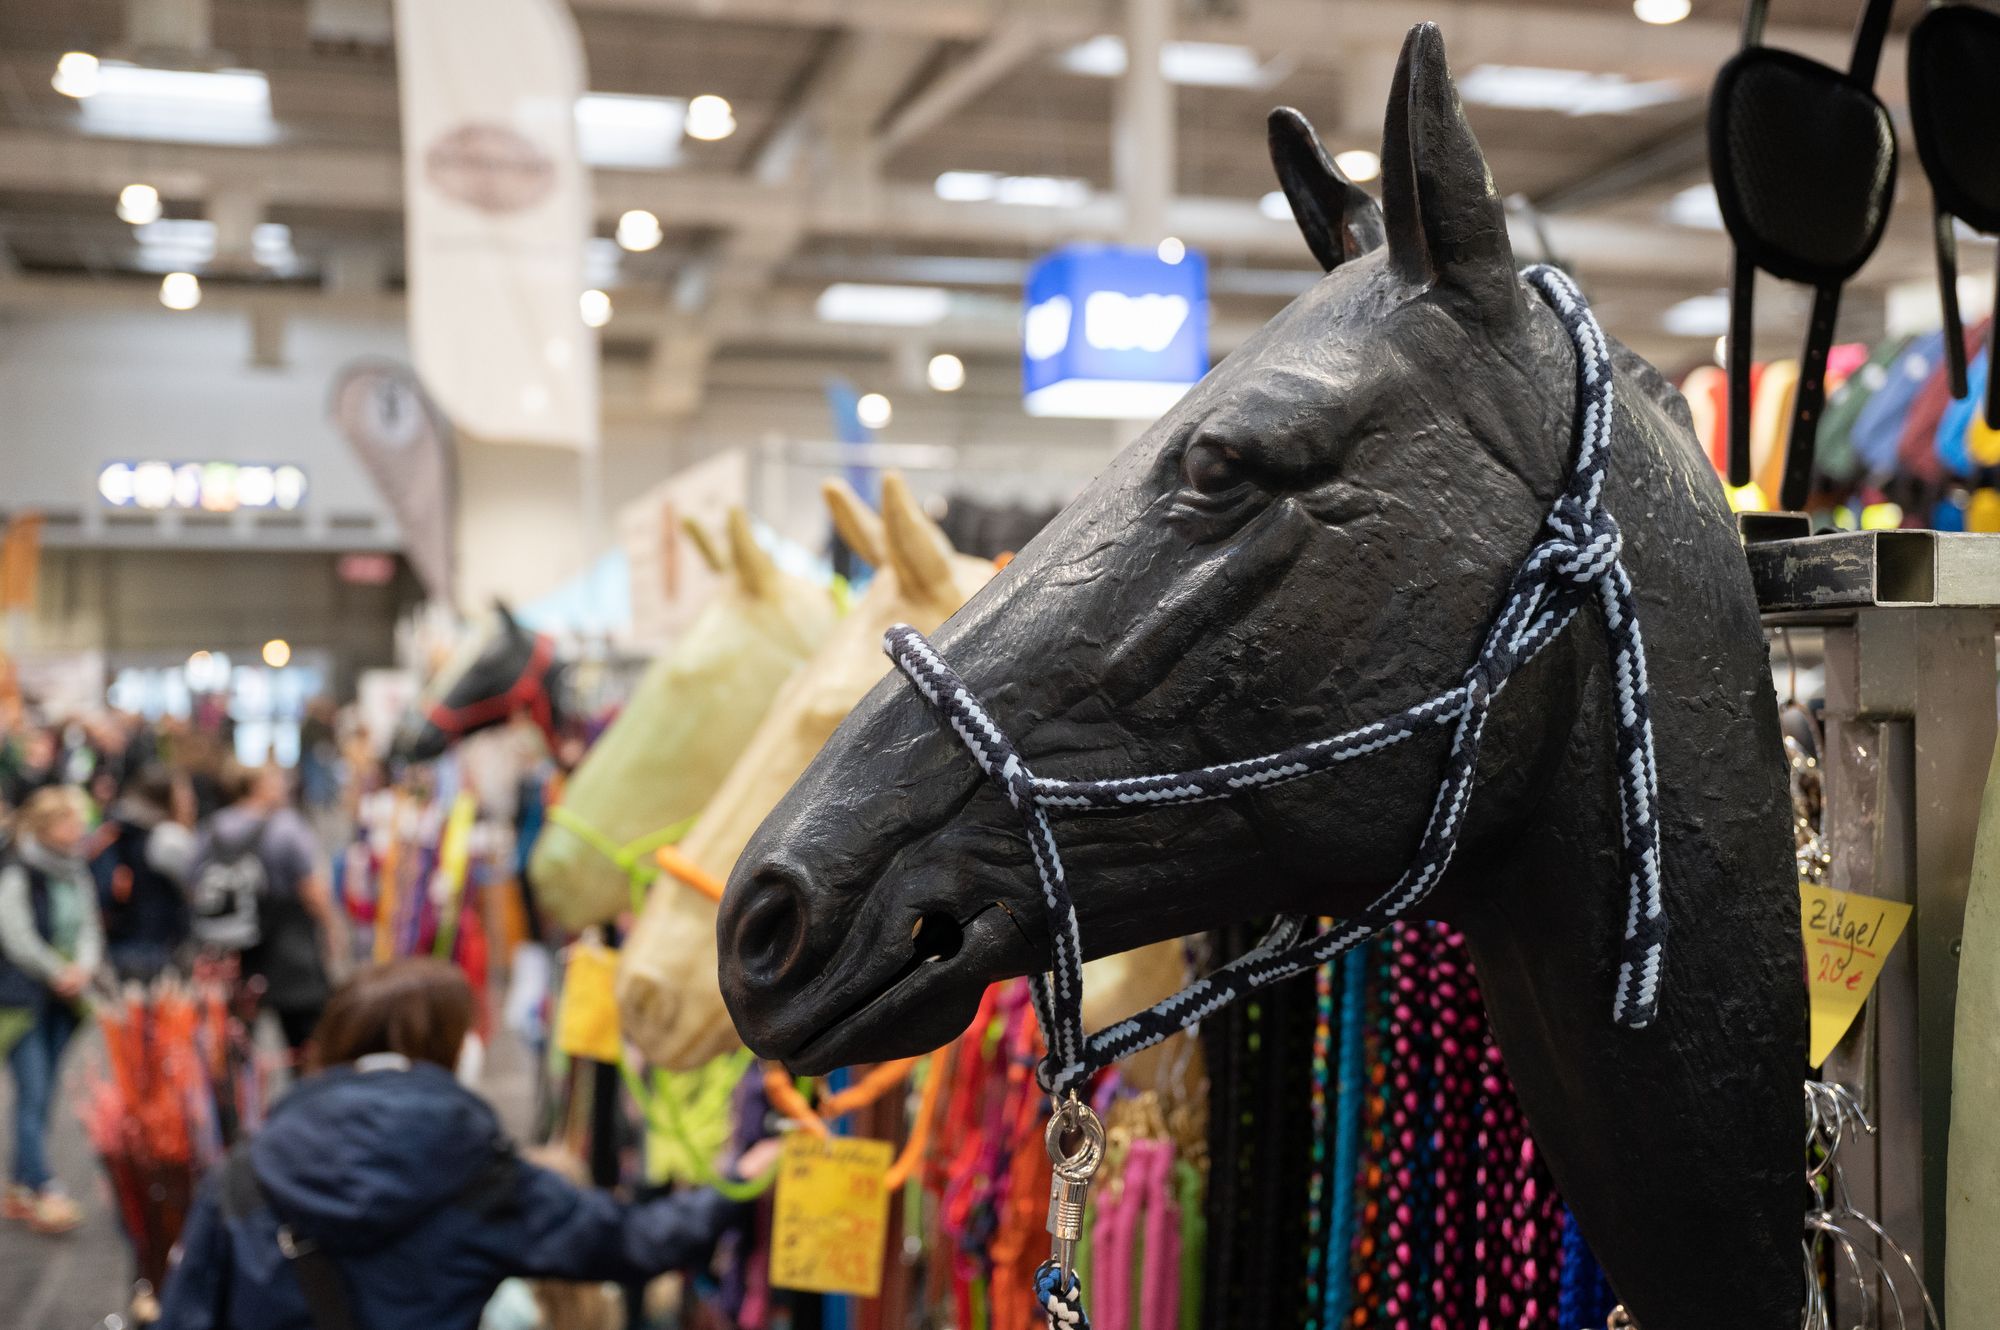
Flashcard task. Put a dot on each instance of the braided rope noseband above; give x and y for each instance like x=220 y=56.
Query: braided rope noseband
x=1577 y=554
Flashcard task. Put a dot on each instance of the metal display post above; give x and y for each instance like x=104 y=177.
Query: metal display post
x=1907 y=619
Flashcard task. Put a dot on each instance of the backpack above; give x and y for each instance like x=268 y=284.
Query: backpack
x=228 y=891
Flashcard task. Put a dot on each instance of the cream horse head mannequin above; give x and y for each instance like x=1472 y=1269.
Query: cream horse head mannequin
x=688 y=719
x=668 y=1000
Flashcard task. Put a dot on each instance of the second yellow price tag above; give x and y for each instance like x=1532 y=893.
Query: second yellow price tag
x=831 y=1226
x=587 y=1010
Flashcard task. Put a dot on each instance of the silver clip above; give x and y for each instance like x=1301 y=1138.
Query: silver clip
x=1069 y=1188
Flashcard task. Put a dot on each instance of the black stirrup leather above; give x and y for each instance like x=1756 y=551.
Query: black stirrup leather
x=1804 y=159
x=1954 y=72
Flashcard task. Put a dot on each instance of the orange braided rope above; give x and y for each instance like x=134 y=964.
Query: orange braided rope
x=876 y=1082
x=920 y=1130
x=672 y=861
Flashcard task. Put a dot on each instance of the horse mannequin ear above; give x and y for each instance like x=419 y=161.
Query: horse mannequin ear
x=756 y=567
x=918 y=549
x=506 y=617
x=1446 y=224
x=706 y=545
x=856 y=522
x=1338 y=218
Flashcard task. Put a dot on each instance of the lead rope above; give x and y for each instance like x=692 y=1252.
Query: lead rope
x=1576 y=556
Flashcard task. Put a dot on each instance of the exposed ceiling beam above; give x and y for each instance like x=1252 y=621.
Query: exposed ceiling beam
x=1325 y=31
x=352 y=179
x=929 y=18
x=996 y=56
x=823 y=147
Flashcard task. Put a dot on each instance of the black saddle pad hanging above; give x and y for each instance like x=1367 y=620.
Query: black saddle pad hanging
x=1804 y=160
x=1955 y=114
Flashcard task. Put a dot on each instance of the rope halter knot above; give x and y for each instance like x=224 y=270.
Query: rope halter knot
x=1577 y=559
x=1584 y=542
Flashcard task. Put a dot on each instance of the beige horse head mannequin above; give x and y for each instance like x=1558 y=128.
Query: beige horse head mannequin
x=668 y=1000
x=688 y=719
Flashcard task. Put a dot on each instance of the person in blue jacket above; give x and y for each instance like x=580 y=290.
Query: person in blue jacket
x=383 y=1195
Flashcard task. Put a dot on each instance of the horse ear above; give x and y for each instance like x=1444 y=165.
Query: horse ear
x=706 y=545
x=855 y=521
x=506 y=615
x=1445 y=220
x=756 y=567
x=1338 y=218
x=918 y=549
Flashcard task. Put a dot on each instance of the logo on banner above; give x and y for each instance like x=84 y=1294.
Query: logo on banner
x=490 y=167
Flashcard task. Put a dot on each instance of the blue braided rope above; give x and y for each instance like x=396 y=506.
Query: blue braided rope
x=1325 y=1057
x=1061 y=1302
x=1575 y=560
x=1585 y=1297
x=1351 y=1092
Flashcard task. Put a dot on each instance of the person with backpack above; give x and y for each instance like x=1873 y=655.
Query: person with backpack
x=384 y=1195
x=51 y=944
x=257 y=892
x=142 y=862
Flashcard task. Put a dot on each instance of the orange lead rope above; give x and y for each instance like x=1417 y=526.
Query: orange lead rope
x=883 y=1077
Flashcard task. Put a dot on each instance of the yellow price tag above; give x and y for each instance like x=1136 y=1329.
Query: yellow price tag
x=587 y=1011
x=832 y=1215
x=1848 y=936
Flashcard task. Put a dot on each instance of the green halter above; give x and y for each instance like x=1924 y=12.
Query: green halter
x=634 y=858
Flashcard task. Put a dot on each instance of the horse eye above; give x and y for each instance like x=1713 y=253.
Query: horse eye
x=1210 y=467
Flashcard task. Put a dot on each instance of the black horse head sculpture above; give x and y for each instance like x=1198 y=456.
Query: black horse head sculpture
x=1317 y=536
x=514 y=673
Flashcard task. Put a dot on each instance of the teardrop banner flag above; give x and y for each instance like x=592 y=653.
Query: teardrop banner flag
x=498 y=211
x=406 y=445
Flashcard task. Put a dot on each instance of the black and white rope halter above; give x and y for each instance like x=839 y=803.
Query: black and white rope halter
x=1577 y=554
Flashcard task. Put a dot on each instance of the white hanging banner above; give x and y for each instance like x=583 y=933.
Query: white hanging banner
x=498 y=209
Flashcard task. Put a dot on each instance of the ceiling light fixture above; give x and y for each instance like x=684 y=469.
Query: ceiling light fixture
x=1033 y=191
x=632 y=133
x=710 y=117
x=1570 y=91
x=1172 y=250
x=1696 y=207
x=889 y=306
x=1358 y=164
x=277 y=653
x=639 y=231
x=271 y=247
x=173 y=244
x=1196 y=64
x=76 y=75
x=945 y=373
x=180 y=290
x=1661 y=12
x=138 y=204
x=873 y=410
x=596 y=308
x=1698 y=316
x=231 y=107
x=1276 y=206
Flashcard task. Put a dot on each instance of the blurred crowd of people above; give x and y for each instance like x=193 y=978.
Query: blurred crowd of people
x=127 y=849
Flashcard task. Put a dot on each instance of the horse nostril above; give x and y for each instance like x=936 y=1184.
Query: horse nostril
x=771 y=933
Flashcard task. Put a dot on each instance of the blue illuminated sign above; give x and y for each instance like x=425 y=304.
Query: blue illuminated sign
x=1113 y=332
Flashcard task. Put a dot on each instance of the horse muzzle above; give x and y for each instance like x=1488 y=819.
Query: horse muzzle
x=816 y=991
